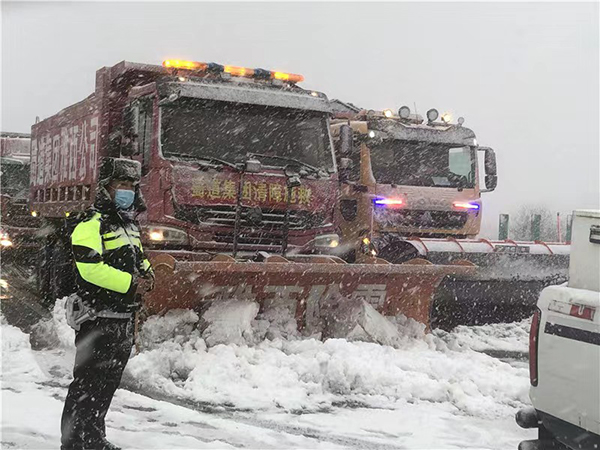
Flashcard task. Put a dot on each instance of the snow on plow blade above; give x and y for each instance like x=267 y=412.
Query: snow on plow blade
x=506 y=285
x=301 y=284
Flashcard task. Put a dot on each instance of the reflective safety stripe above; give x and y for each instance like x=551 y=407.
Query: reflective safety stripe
x=116 y=243
x=146 y=264
x=114 y=315
x=121 y=240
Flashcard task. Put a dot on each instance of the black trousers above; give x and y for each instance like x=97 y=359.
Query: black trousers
x=103 y=348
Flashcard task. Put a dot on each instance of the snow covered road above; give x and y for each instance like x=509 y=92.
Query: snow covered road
x=435 y=392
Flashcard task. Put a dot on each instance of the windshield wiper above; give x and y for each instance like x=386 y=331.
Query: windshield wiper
x=316 y=170
x=208 y=159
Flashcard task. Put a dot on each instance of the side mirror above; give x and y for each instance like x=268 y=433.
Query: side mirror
x=491 y=176
x=346 y=140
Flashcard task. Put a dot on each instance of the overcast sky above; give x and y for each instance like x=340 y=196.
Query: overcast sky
x=524 y=76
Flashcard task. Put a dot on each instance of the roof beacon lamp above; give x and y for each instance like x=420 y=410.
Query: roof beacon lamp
x=388 y=113
x=404 y=112
x=460 y=121
x=432 y=115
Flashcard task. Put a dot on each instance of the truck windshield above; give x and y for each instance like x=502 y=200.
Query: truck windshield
x=14 y=179
x=229 y=131
x=423 y=164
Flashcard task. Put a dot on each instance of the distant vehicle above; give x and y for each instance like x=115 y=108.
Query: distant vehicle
x=564 y=351
x=411 y=188
x=16 y=223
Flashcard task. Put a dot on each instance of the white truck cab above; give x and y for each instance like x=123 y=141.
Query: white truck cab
x=564 y=350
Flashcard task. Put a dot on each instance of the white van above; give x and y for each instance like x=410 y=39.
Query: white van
x=564 y=351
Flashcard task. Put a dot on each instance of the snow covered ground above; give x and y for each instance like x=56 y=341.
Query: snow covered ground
x=435 y=391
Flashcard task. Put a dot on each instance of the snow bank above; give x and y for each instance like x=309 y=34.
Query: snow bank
x=229 y=322
x=54 y=332
x=498 y=337
x=18 y=362
x=309 y=375
x=357 y=320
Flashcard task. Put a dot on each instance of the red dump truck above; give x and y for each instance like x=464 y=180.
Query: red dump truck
x=240 y=180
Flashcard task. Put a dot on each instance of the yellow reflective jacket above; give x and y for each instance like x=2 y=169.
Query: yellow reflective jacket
x=108 y=253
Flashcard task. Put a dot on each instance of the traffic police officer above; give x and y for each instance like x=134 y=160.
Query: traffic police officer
x=112 y=272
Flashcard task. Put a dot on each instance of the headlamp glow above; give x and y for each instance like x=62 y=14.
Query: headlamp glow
x=5 y=240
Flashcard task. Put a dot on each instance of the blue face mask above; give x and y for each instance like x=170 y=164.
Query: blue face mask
x=124 y=198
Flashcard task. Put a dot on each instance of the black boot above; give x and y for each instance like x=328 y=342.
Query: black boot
x=105 y=445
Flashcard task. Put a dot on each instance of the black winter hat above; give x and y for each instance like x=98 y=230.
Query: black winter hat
x=119 y=169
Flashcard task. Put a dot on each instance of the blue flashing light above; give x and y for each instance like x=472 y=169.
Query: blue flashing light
x=467 y=205
x=388 y=202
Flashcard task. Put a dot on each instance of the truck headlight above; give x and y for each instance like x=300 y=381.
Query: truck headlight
x=5 y=239
x=167 y=235
x=327 y=241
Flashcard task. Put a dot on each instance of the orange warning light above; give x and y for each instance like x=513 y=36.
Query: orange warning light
x=181 y=64
x=239 y=71
x=291 y=77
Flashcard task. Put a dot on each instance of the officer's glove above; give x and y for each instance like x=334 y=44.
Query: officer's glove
x=149 y=275
x=145 y=285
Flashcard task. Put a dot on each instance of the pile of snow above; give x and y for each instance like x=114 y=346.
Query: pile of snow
x=357 y=320
x=18 y=361
x=54 y=332
x=498 y=337
x=229 y=322
x=308 y=374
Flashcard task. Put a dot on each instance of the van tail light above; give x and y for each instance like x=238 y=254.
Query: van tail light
x=534 y=335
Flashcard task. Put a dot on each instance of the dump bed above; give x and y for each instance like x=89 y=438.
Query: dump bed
x=65 y=148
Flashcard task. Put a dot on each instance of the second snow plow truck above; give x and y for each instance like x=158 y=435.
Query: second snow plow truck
x=240 y=179
x=411 y=190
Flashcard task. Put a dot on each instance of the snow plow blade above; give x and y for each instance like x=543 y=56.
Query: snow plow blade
x=506 y=285
x=300 y=283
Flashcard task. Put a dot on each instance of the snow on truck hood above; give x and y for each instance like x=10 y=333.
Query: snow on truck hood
x=247 y=93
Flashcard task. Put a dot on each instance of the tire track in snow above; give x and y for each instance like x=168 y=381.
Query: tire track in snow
x=248 y=417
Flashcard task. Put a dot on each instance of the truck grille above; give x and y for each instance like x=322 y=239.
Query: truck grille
x=18 y=215
x=265 y=220
x=448 y=220
x=250 y=238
